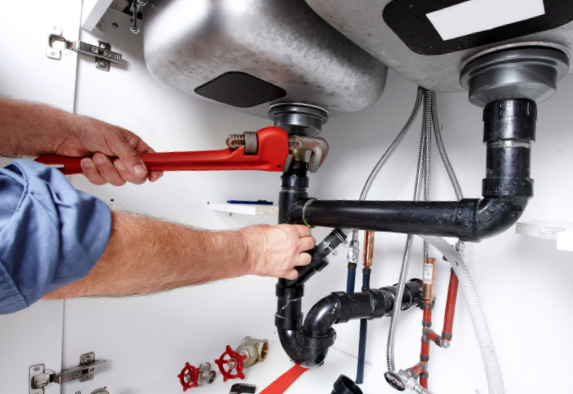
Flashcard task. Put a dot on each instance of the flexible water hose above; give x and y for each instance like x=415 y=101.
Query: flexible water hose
x=389 y=152
x=399 y=294
x=429 y=97
x=352 y=259
x=483 y=335
x=420 y=191
x=394 y=145
x=443 y=154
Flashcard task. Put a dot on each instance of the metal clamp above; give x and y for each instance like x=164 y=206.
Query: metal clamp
x=102 y=52
x=40 y=377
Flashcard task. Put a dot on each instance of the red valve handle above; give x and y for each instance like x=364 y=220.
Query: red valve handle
x=189 y=377
x=272 y=152
x=235 y=362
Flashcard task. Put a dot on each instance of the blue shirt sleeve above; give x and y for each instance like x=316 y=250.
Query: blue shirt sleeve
x=50 y=233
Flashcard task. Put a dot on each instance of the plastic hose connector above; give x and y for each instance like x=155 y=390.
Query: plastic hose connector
x=189 y=377
x=231 y=364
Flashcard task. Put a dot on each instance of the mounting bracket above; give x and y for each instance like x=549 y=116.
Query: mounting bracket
x=40 y=377
x=102 y=52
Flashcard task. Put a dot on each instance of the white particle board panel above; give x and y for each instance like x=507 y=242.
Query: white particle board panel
x=34 y=336
x=26 y=73
x=29 y=337
x=559 y=232
x=149 y=339
x=246 y=209
x=92 y=12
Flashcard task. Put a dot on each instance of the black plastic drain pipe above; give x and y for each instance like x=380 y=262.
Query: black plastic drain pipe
x=307 y=344
x=509 y=128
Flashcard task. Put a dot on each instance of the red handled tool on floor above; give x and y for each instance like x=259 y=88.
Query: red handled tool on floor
x=269 y=149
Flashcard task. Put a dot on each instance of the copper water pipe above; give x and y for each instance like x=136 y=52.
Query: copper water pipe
x=428 y=294
x=368 y=249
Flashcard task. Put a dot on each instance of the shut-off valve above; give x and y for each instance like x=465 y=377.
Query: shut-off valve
x=190 y=376
x=232 y=362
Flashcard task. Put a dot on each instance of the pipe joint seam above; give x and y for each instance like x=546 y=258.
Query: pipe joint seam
x=288 y=323
x=304 y=208
x=289 y=293
x=507 y=187
x=316 y=343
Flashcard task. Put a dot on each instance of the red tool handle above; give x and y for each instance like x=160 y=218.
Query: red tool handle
x=271 y=155
x=284 y=381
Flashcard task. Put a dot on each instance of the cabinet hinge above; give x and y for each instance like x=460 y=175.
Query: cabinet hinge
x=102 y=52
x=40 y=377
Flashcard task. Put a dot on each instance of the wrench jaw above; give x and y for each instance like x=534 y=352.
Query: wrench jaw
x=312 y=150
x=303 y=122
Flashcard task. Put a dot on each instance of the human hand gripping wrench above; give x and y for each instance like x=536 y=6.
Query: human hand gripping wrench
x=268 y=149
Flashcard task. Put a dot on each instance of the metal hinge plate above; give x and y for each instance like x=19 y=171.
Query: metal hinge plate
x=40 y=377
x=102 y=52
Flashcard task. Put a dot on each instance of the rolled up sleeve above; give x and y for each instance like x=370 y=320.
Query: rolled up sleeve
x=50 y=233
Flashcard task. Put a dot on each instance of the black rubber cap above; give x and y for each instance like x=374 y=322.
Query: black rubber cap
x=345 y=385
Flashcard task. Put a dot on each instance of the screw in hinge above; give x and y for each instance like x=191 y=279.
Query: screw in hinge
x=135 y=8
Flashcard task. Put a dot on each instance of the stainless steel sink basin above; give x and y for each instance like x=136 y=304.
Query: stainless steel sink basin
x=251 y=54
x=400 y=33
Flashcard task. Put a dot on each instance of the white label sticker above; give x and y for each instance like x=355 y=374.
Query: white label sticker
x=479 y=15
x=428 y=273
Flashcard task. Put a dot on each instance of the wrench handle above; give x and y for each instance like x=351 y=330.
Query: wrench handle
x=271 y=155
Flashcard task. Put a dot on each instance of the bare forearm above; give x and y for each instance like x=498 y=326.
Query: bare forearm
x=146 y=256
x=31 y=129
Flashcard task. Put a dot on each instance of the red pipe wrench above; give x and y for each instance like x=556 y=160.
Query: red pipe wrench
x=269 y=152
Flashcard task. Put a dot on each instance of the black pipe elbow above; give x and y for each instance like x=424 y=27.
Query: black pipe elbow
x=309 y=344
x=304 y=350
x=509 y=129
x=495 y=215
